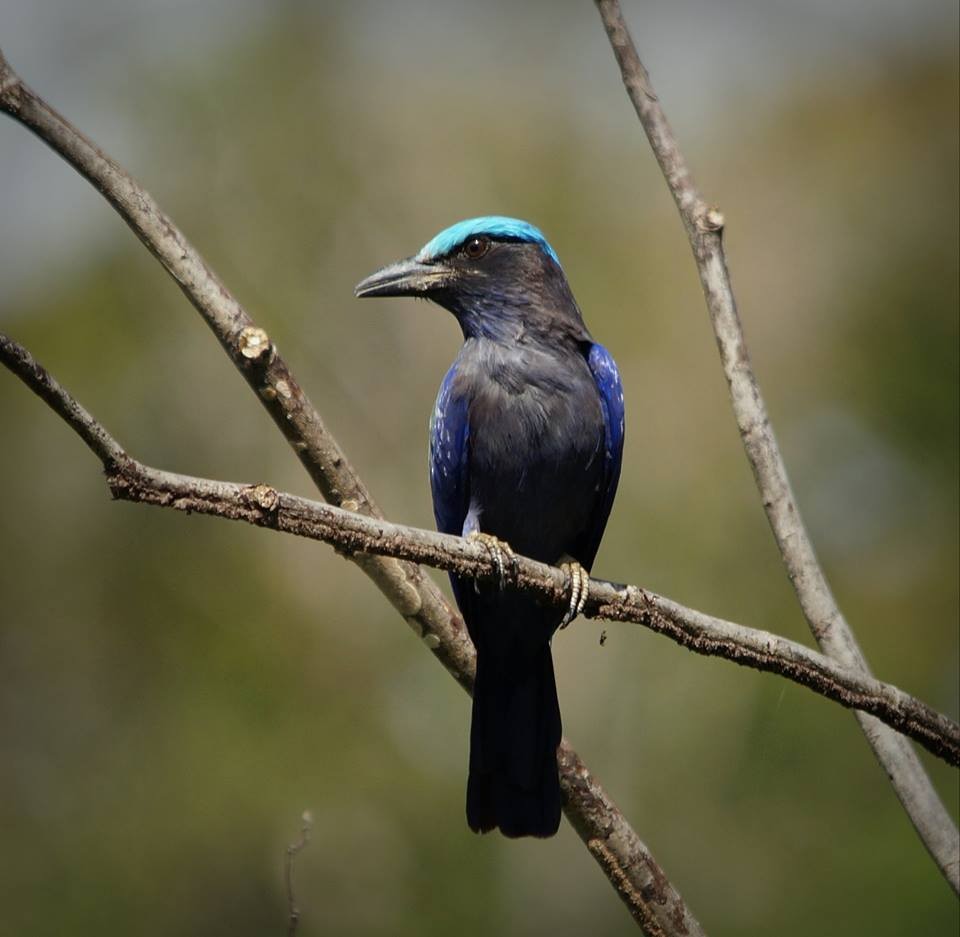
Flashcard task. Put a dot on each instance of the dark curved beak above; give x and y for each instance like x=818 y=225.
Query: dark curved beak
x=407 y=278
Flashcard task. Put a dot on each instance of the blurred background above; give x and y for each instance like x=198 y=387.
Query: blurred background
x=175 y=691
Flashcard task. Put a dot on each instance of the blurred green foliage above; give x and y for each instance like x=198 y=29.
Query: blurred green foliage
x=175 y=691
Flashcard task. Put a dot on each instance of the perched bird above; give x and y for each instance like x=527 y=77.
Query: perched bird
x=525 y=450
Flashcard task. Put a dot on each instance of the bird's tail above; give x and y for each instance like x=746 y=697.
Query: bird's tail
x=514 y=735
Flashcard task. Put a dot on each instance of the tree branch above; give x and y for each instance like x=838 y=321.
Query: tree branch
x=634 y=873
x=351 y=533
x=704 y=227
x=289 y=856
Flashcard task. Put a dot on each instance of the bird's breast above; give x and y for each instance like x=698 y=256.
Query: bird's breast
x=536 y=447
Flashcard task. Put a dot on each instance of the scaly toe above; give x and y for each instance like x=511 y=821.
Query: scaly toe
x=579 y=590
x=584 y=589
x=497 y=550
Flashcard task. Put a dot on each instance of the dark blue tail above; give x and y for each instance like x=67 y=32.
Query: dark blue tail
x=514 y=734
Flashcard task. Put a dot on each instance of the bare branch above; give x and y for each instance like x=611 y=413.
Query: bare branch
x=704 y=227
x=289 y=855
x=351 y=533
x=44 y=385
x=624 y=859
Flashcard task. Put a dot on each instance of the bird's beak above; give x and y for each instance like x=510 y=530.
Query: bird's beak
x=406 y=278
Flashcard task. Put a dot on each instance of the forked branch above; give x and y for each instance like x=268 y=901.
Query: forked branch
x=351 y=533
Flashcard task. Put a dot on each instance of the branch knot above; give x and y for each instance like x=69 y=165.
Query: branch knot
x=263 y=497
x=253 y=343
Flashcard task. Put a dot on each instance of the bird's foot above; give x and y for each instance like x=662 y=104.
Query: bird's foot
x=579 y=590
x=501 y=554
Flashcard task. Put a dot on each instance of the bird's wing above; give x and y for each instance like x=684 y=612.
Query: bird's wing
x=449 y=476
x=607 y=378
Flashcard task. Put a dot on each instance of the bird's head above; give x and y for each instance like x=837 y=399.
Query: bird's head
x=497 y=275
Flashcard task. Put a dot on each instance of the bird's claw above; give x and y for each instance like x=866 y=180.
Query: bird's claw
x=497 y=550
x=579 y=590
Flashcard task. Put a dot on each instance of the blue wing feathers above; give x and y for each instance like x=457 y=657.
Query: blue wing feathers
x=607 y=378
x=449 y=476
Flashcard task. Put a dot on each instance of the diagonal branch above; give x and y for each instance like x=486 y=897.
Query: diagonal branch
x=626 y=861
x=351 y=533
x=704 y=227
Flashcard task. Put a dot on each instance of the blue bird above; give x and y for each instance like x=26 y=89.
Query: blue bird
x=525 y=449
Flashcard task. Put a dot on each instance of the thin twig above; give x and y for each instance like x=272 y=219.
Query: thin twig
x=291 y=853
x=351 y=533
x=625 y=860
x=704 y=227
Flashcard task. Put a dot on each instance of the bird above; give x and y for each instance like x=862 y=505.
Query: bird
x=525 y=451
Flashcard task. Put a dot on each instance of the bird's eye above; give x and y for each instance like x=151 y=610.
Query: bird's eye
x=476 y=247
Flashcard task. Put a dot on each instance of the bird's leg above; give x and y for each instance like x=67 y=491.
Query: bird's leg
x=498 y=550
x=579 y=589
